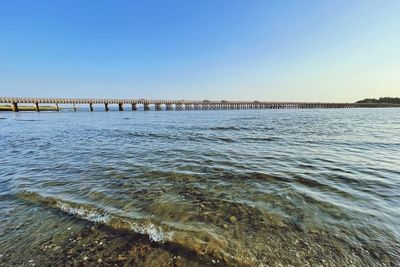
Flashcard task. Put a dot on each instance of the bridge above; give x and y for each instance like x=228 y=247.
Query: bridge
x=158 y=105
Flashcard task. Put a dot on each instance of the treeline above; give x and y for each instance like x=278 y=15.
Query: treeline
x=383 y=100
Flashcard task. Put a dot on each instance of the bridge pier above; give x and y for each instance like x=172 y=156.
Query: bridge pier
x=57 y=107
x=91 y=106
x=179 y=106
x=146 y=107
x=158 y=107
x=37 y=106
x=168 y=107
x=106 y=107
x=120 y=107
x=14 y=106
x=134 y=107
x=74 y=107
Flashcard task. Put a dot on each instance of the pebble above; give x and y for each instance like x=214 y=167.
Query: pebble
x=85 y=258
x=121 y=258
x=225 y=226
x=232 y=219
x=99 y=261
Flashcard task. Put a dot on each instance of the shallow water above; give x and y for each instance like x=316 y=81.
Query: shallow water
x=246 y=187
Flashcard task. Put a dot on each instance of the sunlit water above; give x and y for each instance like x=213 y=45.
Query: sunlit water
x=252 y=187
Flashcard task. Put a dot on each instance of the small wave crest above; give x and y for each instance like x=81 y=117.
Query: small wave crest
x=261 y=138
x=155 y=233
x=97 y=215
x=27 y=120
x=83 y=213
x=225 y=128
x=195 y=240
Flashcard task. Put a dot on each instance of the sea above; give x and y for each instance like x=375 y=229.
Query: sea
x=283 y=187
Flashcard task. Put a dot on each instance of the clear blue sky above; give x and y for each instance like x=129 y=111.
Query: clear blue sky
x=268 y=50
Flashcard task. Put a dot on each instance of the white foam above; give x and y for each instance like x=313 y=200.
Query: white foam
x=83 y=213
x=155 y=233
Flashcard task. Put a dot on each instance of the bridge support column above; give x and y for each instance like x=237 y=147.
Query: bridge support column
x=158 y=107
x=57 y=107
x=74 y=107
x=146 y=107
x=106 y=107
x=134 y=107
x=37 y=106
x=120 y=107
x=14 y=106
x=179 y=107
x=91 y=106
x=168 y=107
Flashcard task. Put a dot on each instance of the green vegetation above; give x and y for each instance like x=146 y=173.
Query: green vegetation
x=382 y=100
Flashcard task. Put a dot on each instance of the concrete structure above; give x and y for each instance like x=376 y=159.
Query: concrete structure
x=179 y=104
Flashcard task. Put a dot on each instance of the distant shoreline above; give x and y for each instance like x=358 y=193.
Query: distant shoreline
x=381 y=100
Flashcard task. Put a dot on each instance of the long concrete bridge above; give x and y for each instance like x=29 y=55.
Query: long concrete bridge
x=178 y=104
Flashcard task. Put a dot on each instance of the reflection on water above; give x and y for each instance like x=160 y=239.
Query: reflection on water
x=251 y=188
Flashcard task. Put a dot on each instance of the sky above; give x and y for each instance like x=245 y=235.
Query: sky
x=331 y=51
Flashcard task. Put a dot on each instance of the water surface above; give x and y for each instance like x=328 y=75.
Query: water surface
x=235 y=187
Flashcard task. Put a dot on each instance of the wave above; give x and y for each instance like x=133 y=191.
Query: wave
x=166 y=136
x=85 y=212
x=82 y=213
x=260 y=138
x=97 y=215
x=193 y=239
x=200 y=138
x=225 y=128
x=27 y=120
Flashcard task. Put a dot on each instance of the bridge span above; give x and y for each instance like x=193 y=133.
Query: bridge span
x=158 y=105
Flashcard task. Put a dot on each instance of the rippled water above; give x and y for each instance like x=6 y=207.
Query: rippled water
x=250 y=187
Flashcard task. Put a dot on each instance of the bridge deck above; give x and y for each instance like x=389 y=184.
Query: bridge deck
x=181 y=104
